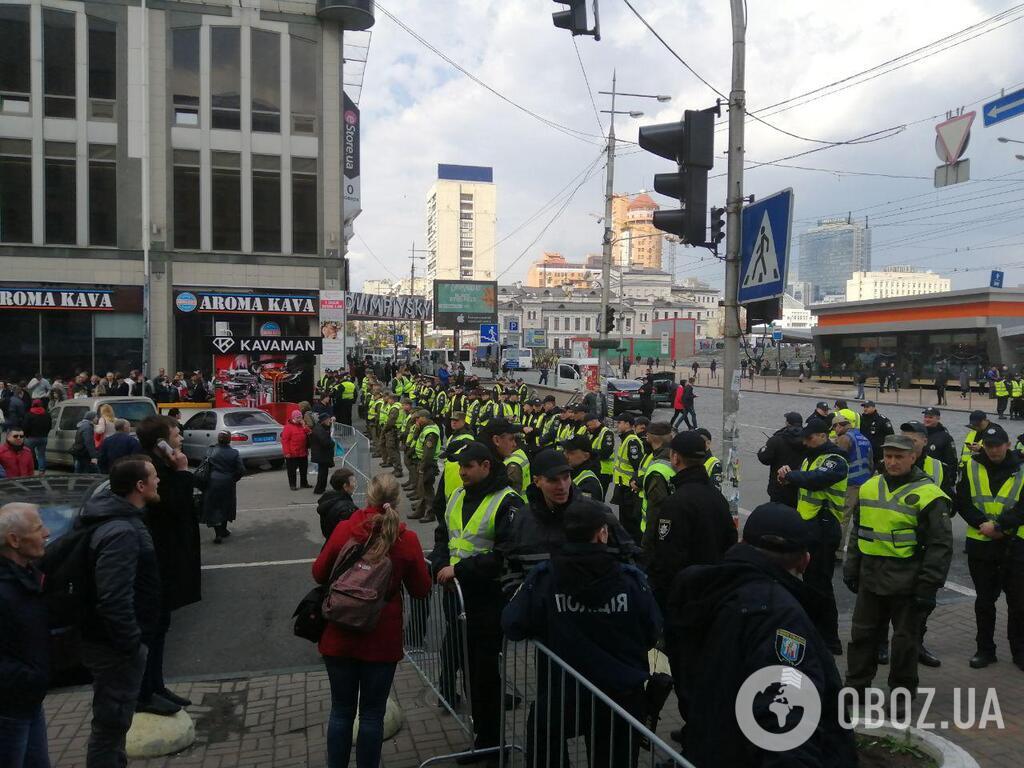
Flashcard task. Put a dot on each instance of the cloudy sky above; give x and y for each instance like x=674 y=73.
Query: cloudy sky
x=418 y=110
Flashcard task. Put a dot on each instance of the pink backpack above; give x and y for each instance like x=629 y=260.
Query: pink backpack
x=358 y=588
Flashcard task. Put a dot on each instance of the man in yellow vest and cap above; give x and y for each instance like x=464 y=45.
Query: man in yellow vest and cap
x=656 y=471
x=583 y=467
x=426 y=450
x=502 y=437
x=897 y=561
x=603 y=442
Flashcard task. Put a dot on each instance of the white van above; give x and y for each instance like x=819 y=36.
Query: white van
x=439 y=357
x=67 y=413
x=519 y=358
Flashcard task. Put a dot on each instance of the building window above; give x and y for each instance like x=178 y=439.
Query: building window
x=227 y=201
x=577 y=324
x=303 y=90
x=185 y=76
x=15 y=66
x=586 y=326
x=102 y=195
x=557 y=328
x=266 y=203
x=186 y=200
x=58 y=63
x=59 y=174
x=304 y=206
x=225 y=78
x=266 y=82
x=629 y=323
x=102 y=68
x=15 y=190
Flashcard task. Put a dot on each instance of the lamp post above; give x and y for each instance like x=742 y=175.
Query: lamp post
x=412 y=289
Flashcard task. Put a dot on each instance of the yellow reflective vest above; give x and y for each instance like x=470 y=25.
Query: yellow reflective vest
x=624 y=471
x=607 y=465
x=992 y=504
x=659 y=467
x=888 y=521
x=810 y=503
x=519 y=457
x=477 y=535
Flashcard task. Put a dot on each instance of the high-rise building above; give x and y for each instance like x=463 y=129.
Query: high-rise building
x=636 y=243
x=897 y=280
x=461 y=218
x=553 y=270
x=830 y=253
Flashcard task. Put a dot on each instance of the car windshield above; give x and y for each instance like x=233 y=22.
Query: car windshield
x=247 y=419
x=134 y=410
x=629 y=385
x=57 y=518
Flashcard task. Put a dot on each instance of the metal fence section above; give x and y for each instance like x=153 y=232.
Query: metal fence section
x=568 y=722
x=352 y=450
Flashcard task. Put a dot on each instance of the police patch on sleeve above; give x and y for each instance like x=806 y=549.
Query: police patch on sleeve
x=789 y=648
x=664 y=526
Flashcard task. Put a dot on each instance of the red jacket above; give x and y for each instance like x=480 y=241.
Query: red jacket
x=294 y=441
x=384 y=643
x=677 y=401
x=16 y=463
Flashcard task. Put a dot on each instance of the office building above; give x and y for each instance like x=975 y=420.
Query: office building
x=897 y=280
x=553 y=270
x=229 y=113
x=636 y=243
x=829 y=255
x=461 y=220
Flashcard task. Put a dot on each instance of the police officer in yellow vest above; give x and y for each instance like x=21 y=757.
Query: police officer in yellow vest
x=459 y=438
x=1017 y=397
x=821 y=481
x=989 y=499
x=503 y=438
x=344 y=399
x=977 y=423
x=464 y=549
x=603 y=442
x=628 y=458
x=656 y=471
x=392 y=411
x=426 y=451
x=712 y=464
x=896 y=564
x=373 y=419
x=1002 y=389
x=579 y=452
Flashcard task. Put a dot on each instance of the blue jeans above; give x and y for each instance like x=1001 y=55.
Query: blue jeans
x=85 y=466
x=23 y=742
x=369 y=683
x=38 y=446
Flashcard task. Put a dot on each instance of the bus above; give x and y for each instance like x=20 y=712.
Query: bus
x=439 y=357
x=518 y=358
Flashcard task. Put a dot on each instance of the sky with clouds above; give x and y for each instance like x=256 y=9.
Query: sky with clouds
x=418 y=111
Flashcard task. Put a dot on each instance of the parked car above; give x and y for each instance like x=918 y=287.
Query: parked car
x=67 y=413
x=664 y=388
x=59 y=497
x=623 y=395
x=254 y=434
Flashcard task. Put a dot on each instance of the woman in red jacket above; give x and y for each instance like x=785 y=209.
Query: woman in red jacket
x=361 y=666
x=295 y=443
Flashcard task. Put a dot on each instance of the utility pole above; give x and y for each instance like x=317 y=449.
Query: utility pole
x=606 y=249
x=734 y=203
x=412 y=291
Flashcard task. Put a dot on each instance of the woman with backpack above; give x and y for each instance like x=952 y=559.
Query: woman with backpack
x=361 y=664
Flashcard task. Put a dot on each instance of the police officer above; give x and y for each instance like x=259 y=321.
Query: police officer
x=693 y=526
x=1002 y=390
x=977 y=423
x=821 y=413
x=426 y=450
x=988 y=498
x=628 y=458
x=372 y=419
x=934 y=468
x=857 y=449
x=487 y=410
x=603 y=442
x=458 y=438
x=716 y=641
x=345 y=397
x=579 y=452
x=1016 y=397
x=822 y=494
x=896 y=563
x=393 y=422
x=875 y=427
x=501 y=436
x=940 y=443
x=784 y=447
x=640 y=425
x=464 y=549
x=712 y=465
x=656 y=471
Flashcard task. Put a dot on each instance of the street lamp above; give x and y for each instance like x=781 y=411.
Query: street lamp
x=1004 y=140
x=1019 y=157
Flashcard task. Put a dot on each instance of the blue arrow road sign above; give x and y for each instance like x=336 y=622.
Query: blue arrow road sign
x=764 y=247
x=996 y=280
x=489 y=334
x=1003 y=108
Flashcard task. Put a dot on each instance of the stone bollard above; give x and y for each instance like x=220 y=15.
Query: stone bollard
x=393 y=719
x=155 y=736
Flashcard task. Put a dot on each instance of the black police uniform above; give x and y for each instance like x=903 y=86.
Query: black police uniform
x=784 y=448
x=876 y=427
x=941 y=447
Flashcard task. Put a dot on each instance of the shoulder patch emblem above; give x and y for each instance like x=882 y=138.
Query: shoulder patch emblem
x=664 y=527
x=789 y=647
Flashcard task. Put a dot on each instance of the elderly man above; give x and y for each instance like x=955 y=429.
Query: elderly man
x=121 y=443
x=24 y=640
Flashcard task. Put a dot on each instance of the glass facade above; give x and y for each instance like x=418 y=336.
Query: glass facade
x=59 y=179
x=916 y=354
x=225 y=77
x=15 y=191
x=830 y=253
x=15 y=66
x=266 y=81
x=184 y=79
x=58 y=63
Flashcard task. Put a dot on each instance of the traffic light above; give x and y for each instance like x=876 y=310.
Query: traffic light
x=717 y=227
x=574 y=18
x=609 y=318
x=691 y=144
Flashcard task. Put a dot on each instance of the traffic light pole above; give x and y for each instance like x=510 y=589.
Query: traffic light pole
x=734 y=203
x=606 y=246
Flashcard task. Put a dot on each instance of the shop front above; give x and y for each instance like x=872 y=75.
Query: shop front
x=61 y=330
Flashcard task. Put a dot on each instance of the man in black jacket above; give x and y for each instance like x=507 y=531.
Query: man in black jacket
x=122 y=622
x=941 y=446
x=321 y=450
x=875 y=427
x=822 y=413
x=783 y=448
x=584 y=468
x=693 y=526
x=752 y=615
x=24 y=639
x=599 y=616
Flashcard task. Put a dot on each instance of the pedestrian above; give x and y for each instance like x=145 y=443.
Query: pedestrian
x=84 y=452
x=598 y=616
x=104 y=424
x=800 y=369
x=361 y=665
x=861 y=378
x=121 y=443
x=15 y=458
x=695 y=367
x=719 y=643
x=295 y=444
x=321 y=450
x=677 y=406
x=220 y=499
x=965 y=382
x=123 y=617
x=941 y=380
x=689 y=403
x=25 y=642
x=821 y=481
x=337 y=505
x=544 y=370
x=173 y=525
x=37 y=425
x=15 y=409
x=784 y=448
x=714 y=368
x=625 y=367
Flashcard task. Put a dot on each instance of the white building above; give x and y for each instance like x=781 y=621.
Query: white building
x=461 y=221
x=384 y=287
x=897 y=280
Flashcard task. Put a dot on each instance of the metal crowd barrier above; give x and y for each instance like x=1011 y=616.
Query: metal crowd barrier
x=569 y=722
x=352 y=450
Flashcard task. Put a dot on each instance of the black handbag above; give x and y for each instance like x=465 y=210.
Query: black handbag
x=309 y=621
x=201 y=477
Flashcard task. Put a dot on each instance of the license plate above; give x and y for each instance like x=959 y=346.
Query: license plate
x=264 y=438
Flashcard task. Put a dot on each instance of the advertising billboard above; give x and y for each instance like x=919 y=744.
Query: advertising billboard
x=333 y=306
x=465 y=304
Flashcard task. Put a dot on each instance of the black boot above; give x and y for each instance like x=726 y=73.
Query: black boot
x=929 y=659
x=982 y=659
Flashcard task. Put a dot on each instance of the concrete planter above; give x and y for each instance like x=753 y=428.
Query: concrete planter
x=944 y=752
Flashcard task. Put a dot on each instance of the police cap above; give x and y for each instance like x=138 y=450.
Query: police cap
x=777 y=528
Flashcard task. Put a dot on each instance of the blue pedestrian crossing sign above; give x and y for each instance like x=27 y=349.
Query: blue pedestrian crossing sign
x=489 y=333
x=996 y=280
x=764 y=247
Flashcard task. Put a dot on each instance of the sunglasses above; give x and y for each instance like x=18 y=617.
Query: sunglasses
x=17 y=437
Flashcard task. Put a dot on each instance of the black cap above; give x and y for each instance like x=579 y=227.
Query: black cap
x=814 y=427
x=475 y=451
x=641 y=421
x=324 y=416
x=582 y=520
x=549 y=463
x=868 y=404
x=933 y=411
x=703 y=432
x=579 y=408
x=536 y=401
x=976 y=418
x=578 y=443
x=689 y=445
x=914 y=426
x=777 y=528
x=794 y=419
x=659 y=428
x=549 y=398
x=503 y=427
x=591 y=417
x=625 y=418
x=994 y=435
x=822 y=405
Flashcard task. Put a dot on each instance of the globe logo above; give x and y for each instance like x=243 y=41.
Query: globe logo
x=186 y=301
x=350 y=117
x=787 y=694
